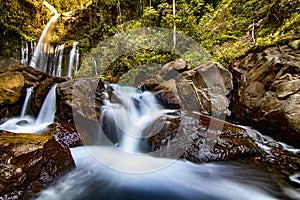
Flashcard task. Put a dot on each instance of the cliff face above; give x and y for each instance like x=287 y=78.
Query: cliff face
x=26 y=19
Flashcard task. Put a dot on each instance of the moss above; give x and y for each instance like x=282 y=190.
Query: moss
x=227 y=33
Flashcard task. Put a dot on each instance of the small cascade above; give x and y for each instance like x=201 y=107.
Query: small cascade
x=46 y=114
x=28 y=124
x=27 y=50
x=95 y=66
x=60 y=53
x=40 y=56
x=73 y=59
x=24 y=53
x=129 y=118
x=25 y=107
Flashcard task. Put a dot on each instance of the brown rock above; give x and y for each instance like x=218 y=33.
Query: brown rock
x=79 y=98
x=172 y=69
x=28 y=162
x=267 y=92
x=11 y=85
x=64 y=133
x=205 y=89
x=200 y=138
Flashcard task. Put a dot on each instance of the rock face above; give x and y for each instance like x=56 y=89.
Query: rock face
x=79 y=98
x=267 y=92
x=28 y=162
x=205 y=89
x=210 y=85
x=14 y=79
x=199 y=138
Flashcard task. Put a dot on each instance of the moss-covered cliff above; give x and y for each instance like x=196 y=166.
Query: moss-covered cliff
x=226 y=28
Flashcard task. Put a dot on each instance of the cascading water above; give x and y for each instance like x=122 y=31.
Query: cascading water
x=131 y=116
x=73 y=60
x=24 y=53
x=27 y=51
x=40 y=56
x=46 y=114
x=29 y=124
x=95 y=178
x=60 y=50
x=25 y=107
x=95 y=67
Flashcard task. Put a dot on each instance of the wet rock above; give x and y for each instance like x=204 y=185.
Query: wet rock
x=200 y=138
x=14 y=79
x=29 y=162
x=80 y=99
x=267 y=93
x=64 y=133
x=205 y=89
x=219 y=140
x=8 y=63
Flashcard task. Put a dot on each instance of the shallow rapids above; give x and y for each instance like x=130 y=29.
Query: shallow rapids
x=179 y=180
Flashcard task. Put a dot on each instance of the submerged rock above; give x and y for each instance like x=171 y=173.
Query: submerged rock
x=29 y=162
x=267 y=93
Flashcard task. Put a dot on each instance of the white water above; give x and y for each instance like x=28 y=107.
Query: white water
x=73 y=60
x=132 y=115
x=25 y=107
x=95 y=66
x=180 y=181
x=60 y=59
x=24 y=53
x=40 y=56
x=28 y=124
x=46 y=114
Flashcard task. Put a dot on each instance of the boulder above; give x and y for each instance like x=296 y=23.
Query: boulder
x=29 y=162
x=267 y=92
x=80 y=99
x=206 y=89
x=173 y=68
x=11 y=85
x=199 y=138
x=15 y=79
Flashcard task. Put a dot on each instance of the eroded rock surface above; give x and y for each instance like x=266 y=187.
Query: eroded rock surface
x=267 y=93
x=28 y=162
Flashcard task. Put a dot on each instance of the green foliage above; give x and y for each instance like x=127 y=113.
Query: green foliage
x=228 y=33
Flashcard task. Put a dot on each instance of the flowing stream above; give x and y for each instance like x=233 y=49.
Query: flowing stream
x=123 y=171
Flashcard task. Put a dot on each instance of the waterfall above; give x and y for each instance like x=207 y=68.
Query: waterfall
x=95 y=66
x=136 y=111
x=46 y=114
x=26 y=102
x=27 y=123
x=39 y=59
x=60 y=59
x=73 y=60
x=24 y=53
